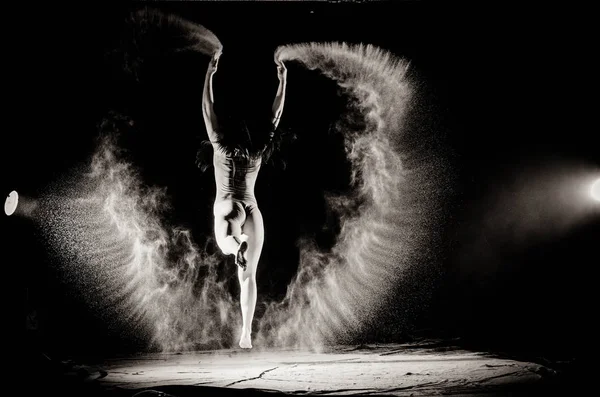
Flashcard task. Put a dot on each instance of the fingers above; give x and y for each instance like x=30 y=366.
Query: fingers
x=279 y=62
x=214 y=63
x=281 y=70
x=215 y=59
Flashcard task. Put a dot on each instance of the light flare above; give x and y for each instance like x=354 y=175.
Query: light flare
x=595 y=190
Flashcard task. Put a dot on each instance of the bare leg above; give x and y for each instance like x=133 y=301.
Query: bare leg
x=229 y=218
x=254 y=228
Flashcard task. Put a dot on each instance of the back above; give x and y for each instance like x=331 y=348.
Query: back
x=235 y=176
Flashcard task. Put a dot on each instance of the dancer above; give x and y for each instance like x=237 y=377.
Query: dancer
x=238 y=222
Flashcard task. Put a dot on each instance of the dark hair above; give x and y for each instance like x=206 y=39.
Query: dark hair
x=239 y=140
x=246 y=139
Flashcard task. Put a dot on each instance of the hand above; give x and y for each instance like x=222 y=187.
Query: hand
x=214 y=63
x=281 y=70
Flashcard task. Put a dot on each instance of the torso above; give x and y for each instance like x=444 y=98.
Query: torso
x=235 y=177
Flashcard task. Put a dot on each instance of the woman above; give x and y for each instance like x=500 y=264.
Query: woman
x=238 y=223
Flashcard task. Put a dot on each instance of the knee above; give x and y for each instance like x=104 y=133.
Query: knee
x=226 y=243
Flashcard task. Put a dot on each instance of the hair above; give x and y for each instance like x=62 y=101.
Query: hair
x=246 y=140
x=243 y=106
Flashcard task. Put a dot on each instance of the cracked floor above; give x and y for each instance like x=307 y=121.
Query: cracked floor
x=401 y=370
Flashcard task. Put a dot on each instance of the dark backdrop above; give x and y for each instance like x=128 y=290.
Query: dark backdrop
x=503 y=84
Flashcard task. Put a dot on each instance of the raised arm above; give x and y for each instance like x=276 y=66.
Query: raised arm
x=208 y=99
x=280 y=96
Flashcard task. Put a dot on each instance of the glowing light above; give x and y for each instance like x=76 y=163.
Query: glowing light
x=10 y=205
x=595 y=190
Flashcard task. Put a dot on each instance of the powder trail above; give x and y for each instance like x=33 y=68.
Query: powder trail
x=135 y=269
x=336 y=293
x=142 y=273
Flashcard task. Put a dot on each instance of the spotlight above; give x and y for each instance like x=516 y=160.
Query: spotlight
x=10 y=205
x=595 y=190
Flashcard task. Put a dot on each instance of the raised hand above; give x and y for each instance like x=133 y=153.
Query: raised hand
x=280 y=97
x=214 y=63
x=281 y=70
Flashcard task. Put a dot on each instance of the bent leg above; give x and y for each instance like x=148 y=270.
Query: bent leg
x=254 y=229
x=229 y=218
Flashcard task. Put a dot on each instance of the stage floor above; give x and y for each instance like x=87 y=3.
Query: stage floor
x=423 y=369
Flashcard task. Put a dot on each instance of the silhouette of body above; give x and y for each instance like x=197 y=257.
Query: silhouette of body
x=238 y=222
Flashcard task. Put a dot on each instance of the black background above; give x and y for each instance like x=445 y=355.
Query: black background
x=504 y=85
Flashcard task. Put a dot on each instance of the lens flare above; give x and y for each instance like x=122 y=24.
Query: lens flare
x=595 y=190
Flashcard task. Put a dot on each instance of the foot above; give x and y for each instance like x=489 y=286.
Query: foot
x=245 y=340
x=240 y=260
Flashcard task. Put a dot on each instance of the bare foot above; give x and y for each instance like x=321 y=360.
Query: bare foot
x=240 y=260
x=245 y=340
